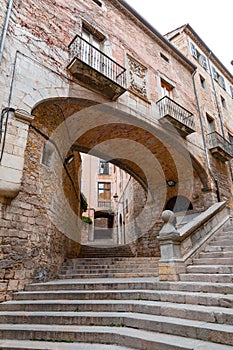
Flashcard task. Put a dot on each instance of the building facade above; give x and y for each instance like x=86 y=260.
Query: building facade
x=95 y=76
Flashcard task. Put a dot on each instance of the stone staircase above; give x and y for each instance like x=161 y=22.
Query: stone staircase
x=215 y=263
x=110 y=267
x=95 y=251
x=127 y=313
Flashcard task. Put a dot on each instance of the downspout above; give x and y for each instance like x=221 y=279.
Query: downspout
x=204 y=140
x=218 y=108
x=4 y=31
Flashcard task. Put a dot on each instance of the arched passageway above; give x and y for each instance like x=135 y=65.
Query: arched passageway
x=144 y=149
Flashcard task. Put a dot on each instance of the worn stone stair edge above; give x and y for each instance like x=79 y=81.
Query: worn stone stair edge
x=186 y=311
x=143 y=340
x=43 y=345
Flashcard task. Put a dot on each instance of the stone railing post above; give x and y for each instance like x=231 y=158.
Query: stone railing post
x=171 y=263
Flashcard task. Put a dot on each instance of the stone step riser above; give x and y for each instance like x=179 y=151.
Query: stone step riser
x=41 y=345
x=213 y=278
x=108 y=275
x=184 y=313
x=213 y=261
x=96 y=269
x=109 y=266
x=84 y=336
x=83 y=286
x=166 y=327
x=173 y=297
x=222 y=243
x=210 y=269
x=213 y=255
x=96 y=286
x=216 y=248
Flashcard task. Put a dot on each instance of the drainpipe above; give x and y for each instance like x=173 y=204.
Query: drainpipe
x=204 y=140
x=4 y=31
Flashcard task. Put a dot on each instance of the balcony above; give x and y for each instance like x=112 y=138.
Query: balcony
x=95 y=70
x=105 y=204
x=220 y=147
x=174 y=115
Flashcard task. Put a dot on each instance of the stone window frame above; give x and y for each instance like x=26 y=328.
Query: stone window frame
x=48 y=155
x=163 y=79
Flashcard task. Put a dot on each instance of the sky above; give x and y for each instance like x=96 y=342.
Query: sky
x=211 y=19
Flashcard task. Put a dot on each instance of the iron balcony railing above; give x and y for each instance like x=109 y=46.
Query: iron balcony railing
x=104 y=204
x=81 y=49
x=216 y=140
x=168 y=107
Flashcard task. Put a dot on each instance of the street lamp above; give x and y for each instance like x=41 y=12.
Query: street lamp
x=115 y=197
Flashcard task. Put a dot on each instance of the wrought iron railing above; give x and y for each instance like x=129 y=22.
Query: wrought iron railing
x=105 y=204
x=168 y=107
x=216 y=140
x=89 y=54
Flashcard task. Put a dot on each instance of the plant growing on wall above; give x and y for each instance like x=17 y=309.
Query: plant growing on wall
x=84 y=204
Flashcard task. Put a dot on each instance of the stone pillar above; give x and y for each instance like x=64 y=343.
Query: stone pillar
x=11 y=167
x=171 y=263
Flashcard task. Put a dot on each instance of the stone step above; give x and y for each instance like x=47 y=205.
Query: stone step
x=222 y=242
x=224 y=235
x=109 y=275
x=42 y=345
x=215 y=269
x=104 y=269
x=124 y=336
x=206 y=277
x=219 y=254
x=96 y=284
x=199 y=298
x=114 y=260
x=168 y=325
x=130 y=284
x=186 y=311
x=218 y=248
x=109 y=266
x=213 y=261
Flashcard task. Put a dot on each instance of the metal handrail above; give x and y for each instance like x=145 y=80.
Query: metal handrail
x=105 y=204
x=98 y=60
x=169 y=107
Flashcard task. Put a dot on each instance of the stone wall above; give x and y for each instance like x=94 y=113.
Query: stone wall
x=32 y=247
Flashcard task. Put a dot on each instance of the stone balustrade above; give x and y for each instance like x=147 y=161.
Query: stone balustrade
x=177 y=247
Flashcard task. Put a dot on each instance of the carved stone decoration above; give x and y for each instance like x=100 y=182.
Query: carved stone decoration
x=137 y=77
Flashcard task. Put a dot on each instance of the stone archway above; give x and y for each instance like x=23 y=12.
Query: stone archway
x=117 y=134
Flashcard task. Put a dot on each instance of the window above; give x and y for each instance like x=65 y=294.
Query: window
x=199 y=56
x=92 y=47
x=223 y=101
x=104 y=191
x=231 y=89
x=219 y=78
x=48 y=155
x=126 y=206
x=230 y=136
x=166 y=88
x=210 y=123
x=103 y=167
x=97 y=2
x=202 y=80
x=164 y=57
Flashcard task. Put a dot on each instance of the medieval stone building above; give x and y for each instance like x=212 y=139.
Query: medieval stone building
x=94 y=77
